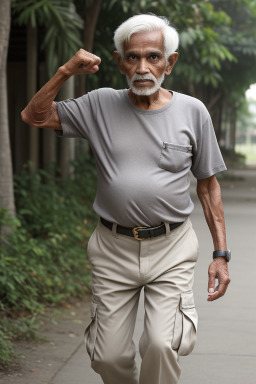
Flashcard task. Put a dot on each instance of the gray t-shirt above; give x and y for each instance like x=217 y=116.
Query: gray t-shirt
x=143 y=158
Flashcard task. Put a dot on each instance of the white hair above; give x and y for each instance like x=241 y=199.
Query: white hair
x=145 y=23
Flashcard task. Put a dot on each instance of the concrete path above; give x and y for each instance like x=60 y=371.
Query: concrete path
x=226 y=348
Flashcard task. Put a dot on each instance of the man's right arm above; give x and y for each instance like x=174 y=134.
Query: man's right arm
x=42 y=111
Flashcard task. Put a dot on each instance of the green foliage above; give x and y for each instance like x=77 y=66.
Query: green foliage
x=203 y=49
x=239 y=37
x=62 y=27
x=24 y=328
x=6 y=349
x=43 y=261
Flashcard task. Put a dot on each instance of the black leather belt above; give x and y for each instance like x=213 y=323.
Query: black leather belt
x=140 y=233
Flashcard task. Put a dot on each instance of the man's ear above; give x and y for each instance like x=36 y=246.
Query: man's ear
x=171 y=62
x=119 y=62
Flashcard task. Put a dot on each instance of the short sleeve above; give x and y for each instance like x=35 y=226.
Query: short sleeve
x=77 y=116
x=207 y=158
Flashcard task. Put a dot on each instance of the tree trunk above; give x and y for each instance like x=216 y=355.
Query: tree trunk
x=49 y=149
x=6 y=178
x=31 y=90
x=67 y=146
x=213 y=101
x=216 y=114
x=227 y=127
x=91 y=18
x=19 y=131
x=219 y=124
x=49 y=137
x=233 y=127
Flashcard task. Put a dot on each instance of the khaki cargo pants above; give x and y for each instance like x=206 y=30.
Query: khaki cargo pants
x=121 y=266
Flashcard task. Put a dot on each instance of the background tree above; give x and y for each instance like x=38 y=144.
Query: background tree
x=90 y=10
x=43 y=261
x=240 y=38
x=6 y=178
x=201 y=49
x=217 y=53
x=61 y=26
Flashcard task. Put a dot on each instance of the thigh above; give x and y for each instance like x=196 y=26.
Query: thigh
x=115 y=325
x=163 y=294
x=161 y=301
x=115 y=295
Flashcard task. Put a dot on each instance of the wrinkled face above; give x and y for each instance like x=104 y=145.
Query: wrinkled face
x=144 y=62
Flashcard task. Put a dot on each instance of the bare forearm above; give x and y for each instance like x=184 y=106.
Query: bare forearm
x=40 y=108
x=42 y=111
x=209 y=194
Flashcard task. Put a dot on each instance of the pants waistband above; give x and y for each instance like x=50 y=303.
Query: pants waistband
x=140 y=232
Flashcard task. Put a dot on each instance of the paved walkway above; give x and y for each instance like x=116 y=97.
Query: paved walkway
x=226 y=349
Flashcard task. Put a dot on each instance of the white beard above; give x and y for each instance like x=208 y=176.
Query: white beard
x=145 y=91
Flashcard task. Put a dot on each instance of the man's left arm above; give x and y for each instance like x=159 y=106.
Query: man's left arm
x=209 y=193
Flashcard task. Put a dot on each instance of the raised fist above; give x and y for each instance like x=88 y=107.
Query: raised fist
x=82 y=63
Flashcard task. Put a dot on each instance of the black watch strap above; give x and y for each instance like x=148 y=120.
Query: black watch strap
x=226 y=254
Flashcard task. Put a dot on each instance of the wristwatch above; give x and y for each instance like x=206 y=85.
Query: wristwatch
x=226 y=254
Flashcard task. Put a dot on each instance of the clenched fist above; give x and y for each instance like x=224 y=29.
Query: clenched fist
x=82 y=63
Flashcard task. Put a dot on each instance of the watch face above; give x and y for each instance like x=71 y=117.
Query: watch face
x=228 y=256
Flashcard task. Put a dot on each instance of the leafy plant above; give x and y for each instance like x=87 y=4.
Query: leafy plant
x=43 y=261
x=61 y=23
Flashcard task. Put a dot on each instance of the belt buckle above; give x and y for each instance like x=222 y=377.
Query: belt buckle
x=135 y=233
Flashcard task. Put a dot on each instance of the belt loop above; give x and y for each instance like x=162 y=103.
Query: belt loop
x=114 y=233
x=167 y=228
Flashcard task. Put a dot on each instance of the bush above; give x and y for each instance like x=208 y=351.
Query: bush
x=43 y=260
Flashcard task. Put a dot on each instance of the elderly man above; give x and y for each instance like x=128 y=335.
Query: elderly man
x=145 y=141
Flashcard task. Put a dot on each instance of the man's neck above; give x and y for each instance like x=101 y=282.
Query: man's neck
x=152 y=102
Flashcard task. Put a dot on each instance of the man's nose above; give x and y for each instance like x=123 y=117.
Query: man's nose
x=142 y=67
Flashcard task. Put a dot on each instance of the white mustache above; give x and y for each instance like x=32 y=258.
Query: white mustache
x=146 y=76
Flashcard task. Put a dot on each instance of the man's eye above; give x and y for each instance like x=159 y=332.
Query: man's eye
x=133 y=57
x=153 y=57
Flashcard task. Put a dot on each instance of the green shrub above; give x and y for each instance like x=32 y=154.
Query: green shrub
x=43 y=260
x=6 y=349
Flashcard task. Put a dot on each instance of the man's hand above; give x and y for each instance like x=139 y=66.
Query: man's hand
x=218 y=269
x=82 y=63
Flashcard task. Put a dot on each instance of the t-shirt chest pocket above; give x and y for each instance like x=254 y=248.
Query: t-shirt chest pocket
x=175 y=157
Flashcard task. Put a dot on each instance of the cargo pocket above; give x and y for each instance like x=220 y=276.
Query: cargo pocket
x=175 y=157
x=90 y=333
x=185 y=326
